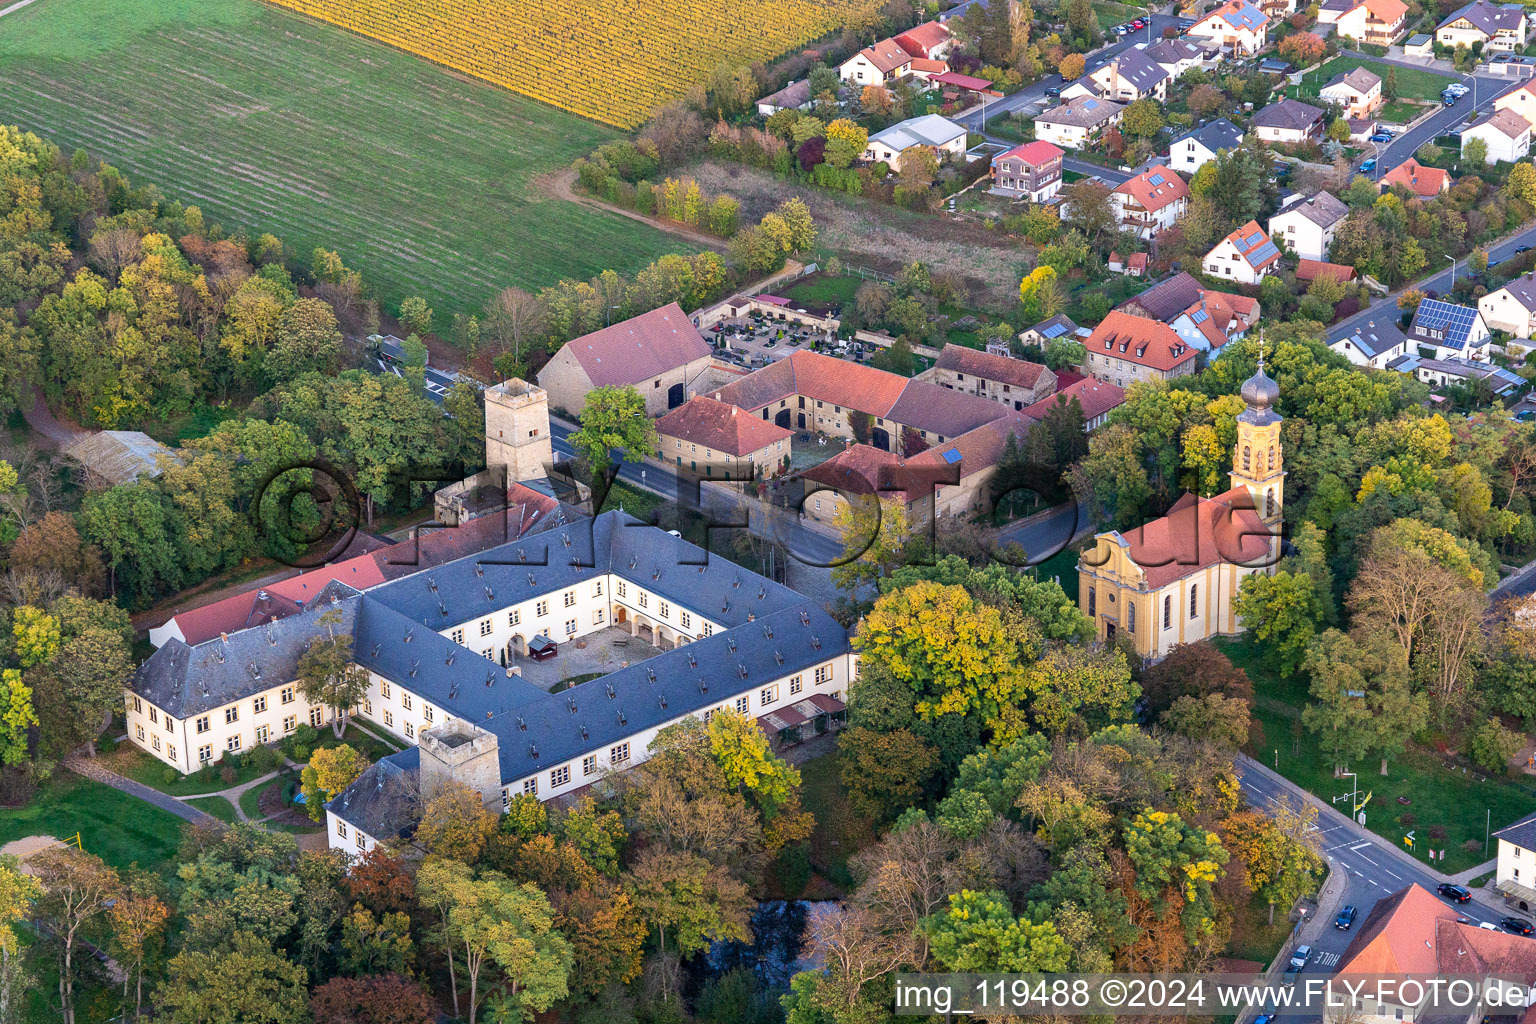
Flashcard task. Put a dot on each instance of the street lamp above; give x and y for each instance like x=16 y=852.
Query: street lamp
x=1354 y=794
x=1453 y=272
x=609 y=313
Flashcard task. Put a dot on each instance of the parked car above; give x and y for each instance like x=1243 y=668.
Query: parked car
x=1345 y=919
x=1454 y=893
x=1489 y=925
x=1300 y=956
x=1526 y=415
x=1457 y=88
x=542 y=648
x=1381 y=137
x=1522 y=248
x=1449 y=98
x=1139 y=23
x=1367 y=166
x=1289 y=977
x=1516 y=926
x=1053 y=92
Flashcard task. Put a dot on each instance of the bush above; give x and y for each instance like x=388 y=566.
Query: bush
x=169 y=776
x=1491 y=745
x=263 y=759
x=228 y=774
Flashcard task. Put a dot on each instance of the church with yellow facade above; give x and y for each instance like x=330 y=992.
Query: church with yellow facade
x=1174 y=580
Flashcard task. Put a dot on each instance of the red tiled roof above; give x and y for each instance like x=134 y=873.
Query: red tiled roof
x=1019 y=373
x=887 y=55
x=1198 y=533
x=920 y=39
x=1140 y=340
x=1310 y=270
x=959 y=81
x=1426 y=182
x=1240 y=239
x=1032 y=153
x=930 y=67
x=857 y=469
x=527 y=511
x=1095 y=396
x=273 y=601
x=1169 y=188
x=724 y=428
x=1395 y=937
x=640 y=348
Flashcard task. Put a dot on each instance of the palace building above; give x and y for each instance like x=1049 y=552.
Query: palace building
x=1174 y=580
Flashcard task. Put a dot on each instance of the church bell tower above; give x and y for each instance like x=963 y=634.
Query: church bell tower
x=1257 y=462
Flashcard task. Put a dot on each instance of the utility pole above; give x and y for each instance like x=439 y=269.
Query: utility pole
x=1487 y=828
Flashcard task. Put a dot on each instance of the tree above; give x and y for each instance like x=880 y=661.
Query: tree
x=138 y=917
x=456 y=824
x=436 y=882
x=884 y=772
x=1034 y=288
x=682 y=893
x=76 y=887
x=1521 y=183
x=1389 y=87
x=248 y=983
x=35 y=634
x=511 y=925
x=1081 y=20
x=378 y=880
x=516 y=317
x=979 y=933
x=1279 y=865
x=1492 y=746
x=330 y=770
x=373 y=945
x=1071 y=66
x=1474 y=152
x=1303 y=49
x=17 y=717
x=328 y=674
x=1362 y=700
x=1089 y=209
x=52 y=544
x=1281 y=611
x=416 y=315
x=383 y=999
x=1221 y=720
x=1143 y=118
x=79 y=689
x=18 y=893
x=897 y=358
x=307 y=340
x=876 y=538
x=742 y=751
x=598 y=836
x=1205 y=100
x=876 y=100
x=614 y=417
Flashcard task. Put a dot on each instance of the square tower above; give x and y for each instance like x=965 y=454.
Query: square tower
x=517 y=430
x=462 y=752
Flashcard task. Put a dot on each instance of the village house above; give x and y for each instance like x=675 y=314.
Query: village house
x=1375 y=22
x=1512 y=308
x=1424 y=182
x=1522 y=101
x=1014 y=383
x=1174 y=580
x=1237 y=26
x=930 y=40
x=1031 y=170
x=1132 y=265
x=1450 y=330
x=794 y=96
x=1096 y=398
x=1150 y=202
x=1439 y=373
x=1165 y=300
x=1194 y=149
x=1175 y=56
x=1126 y=348
x=1496 y=26
x=1215 y=319
x=1289 y=121
x=1130 y=76
x=1244 y=256
x=1077 y=122
x=1047 y=331
x=1308 y=271
x=707 y=437
x=1515 y=875
x=1373 y=344
x=878 y=64
x=930 y=131
x=1307 y=224
x=661 y=354
x=1506 y=134
x=1357 y=93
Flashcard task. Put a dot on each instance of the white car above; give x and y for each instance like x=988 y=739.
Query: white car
x=1457 y=88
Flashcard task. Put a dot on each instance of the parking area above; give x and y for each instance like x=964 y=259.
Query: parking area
x=595 y=654
x=756 y=342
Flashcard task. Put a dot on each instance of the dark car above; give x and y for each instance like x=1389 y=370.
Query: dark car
x=1526 y=415
x=542 y=648
x=1454 y=893
x=1516 y=926
x=1054 y=92
x=1345 y=919
x=1522 y=248
x=1290 y=975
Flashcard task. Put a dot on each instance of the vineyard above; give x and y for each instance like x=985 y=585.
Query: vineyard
x=614 y=62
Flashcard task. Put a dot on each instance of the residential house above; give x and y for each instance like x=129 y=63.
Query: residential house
x=1522 y=101
x=930 y=40
x=1134 y=265
x=1175 y=56
x=660 y=353
x=1357 y=93
x=1496 y=26
x=1126 y=348
x=712 y=439
x=1515 y=875
x=1289 y=121
x=1439 y=373
x=925 y=70
x=1215 y=319
x=1307 y=224
x=1077 y=122
x=1237 y=26
x=1150 y=202
x=1244 y=256
x=878 y=64
x=1424 y=182
x=1329 y=11
x=1130 y=76
x=1194 y=149
x=1047 y=331
x=1095 y=397
x=1361 y=129
x=1374 y=344
x=1451 y=330
x=1175 y=580
x=1308 y=271
x=1165 y=300
x=794 y=96
x=935 y=133
x=1506 y=134
x=1512 y=309
x=1376 y=22
x=1003 y=379
x=1277 y=10
x=1031 y=170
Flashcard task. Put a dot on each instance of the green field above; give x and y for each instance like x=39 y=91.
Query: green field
x=1412 y=84
x=119 y=829
x=425 y=181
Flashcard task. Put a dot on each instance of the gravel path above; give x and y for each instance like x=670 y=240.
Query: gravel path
x=97 y=773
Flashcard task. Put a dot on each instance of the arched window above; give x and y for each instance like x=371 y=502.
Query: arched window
x=1247 y=457
x=1272 y=463
x=1194 y=596
x=1093 y=604
x=1168 y=611
x=1269 y=502
x=1130 y=618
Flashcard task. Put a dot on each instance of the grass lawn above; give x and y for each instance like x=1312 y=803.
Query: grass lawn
x=825 y=290
x=1400 y=112
x=131 y=762
x=117 y=828
x=1412 y=84
x=427 y=182
x=1439 y=796
x=1063 y=564
x=250 y=800
x=1253 y=937
x=217 y=806
x=840 y=832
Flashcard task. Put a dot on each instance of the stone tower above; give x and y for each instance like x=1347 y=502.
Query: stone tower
x=517 y=430
x=460 y=751
x=1257 y=462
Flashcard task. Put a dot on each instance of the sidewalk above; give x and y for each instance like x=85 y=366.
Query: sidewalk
x=171 y=805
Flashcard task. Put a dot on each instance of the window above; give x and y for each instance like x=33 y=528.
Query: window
x=263 y=733
x=489 y=653
x=597 y=617
x=136 y=705
x=1168 y=611
x=485 y=627
x=666 y=609
x=1247 y=457
x=383 y=689
x=645 y=599
x=823 y=673
x=205 y=753
x=531 y=787
x=234 y=743
x=1130 y=618
x=410 y=731
x=138 y=731
x=154 y=715
x=597 y=588
x=1194 y=594
x=506 y=799
x=623 y=588
x=686 y=619
x=362 y=841
x=405 y=700
x=541 y=609
x=570 y=627
x=428 y=713
x=1092 y=602
x=287 y=695
x=155 y=742
x=389 y=719
x=560 y=776
x=767 y=695
x=457 y=636
x=231 y=715
x=570 y=598
x=170 y=726
x=257 y=706
x=367 y=707
x=709 y=630
x=514 y=617
x=742 y=705
x=618 y=753
x=341 y=828
x=316 y=717
x=170 y=751
x=292 y=722
x=589 y=765
x=794 y=685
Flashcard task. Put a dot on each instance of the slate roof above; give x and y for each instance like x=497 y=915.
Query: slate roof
x=1082 y=112
x=1154 y=188
x=1020 y=373
x=928 y=130
x=1290 y=114
x=1058 y=326
x=1173 y=51
x=385 y=801
x=1499 y=379
x=1139 y=69
x=1095 y=396
x=1522 y=833
x=1322 y=209
x=1487 y=17
x=1198 y=533
x=120 y=456
x=1375 y=338
x=1217 y=135
x=724 y=428
x=640 y=348
x=1360 y=80
x=1167 y=299
x=1438 y=315
x=795 y=94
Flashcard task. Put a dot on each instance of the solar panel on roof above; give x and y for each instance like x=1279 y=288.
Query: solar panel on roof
x=1055 y=330
x=1262 y=253
x=1156 y=179
x=1200 y=317
x=1255 y=238
x=952 y=456
x=1090 y=104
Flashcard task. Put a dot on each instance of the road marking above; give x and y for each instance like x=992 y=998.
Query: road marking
x=1359 y=845
x=1370 y=881
x=1359 y=875
x=1327 y=959
x=1398 y=877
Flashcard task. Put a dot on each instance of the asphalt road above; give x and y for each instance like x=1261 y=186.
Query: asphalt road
x=1447 y=119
